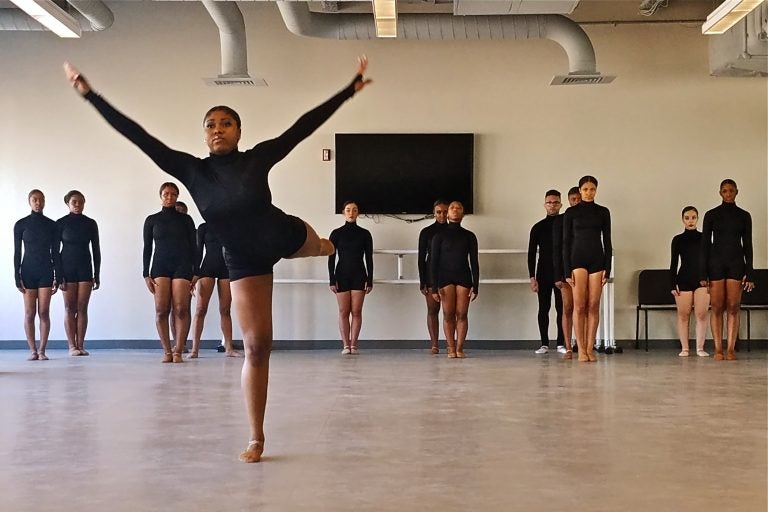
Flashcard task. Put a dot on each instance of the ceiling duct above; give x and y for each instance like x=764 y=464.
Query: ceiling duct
x=92 y=15
x=234 y=50
x=568 y=34
x=742 y=51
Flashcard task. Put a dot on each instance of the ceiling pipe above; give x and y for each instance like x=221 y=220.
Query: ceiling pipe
x=92 y=15
x=234 y=52
x=99 y=16
x=564 y=31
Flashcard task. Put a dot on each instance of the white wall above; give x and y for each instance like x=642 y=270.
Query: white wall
x=663 y=135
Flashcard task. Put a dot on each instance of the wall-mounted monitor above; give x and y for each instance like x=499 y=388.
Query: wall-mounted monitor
x=399 y=173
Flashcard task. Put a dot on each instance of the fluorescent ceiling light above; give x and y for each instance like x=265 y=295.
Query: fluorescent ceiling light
x=51 y=16
x=385 y=16
x=727 y=15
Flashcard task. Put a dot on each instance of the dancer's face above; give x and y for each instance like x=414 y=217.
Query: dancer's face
x=574 y=199
x=588 y=191
x=351 y=212
x=76 y=204
x=552 y=204
x=455 y=211
x=221 y=133
x=690 y=219
x=37 y=202
x=441 y=213
x=168 y=197
x=728 y=192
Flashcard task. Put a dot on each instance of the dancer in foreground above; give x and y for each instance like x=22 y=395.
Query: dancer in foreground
x=231 y=190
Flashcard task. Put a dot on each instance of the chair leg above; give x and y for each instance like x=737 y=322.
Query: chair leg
x=646 y=330
x=749 y=333
x=637 y=328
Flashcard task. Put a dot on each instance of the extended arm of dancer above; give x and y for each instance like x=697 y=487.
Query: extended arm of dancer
x=434 y=262
x=474 y=266
x=192 y=241
x=532 y=260
x=607 y=245
x=557 y=252
x=332 y=263
x=675 y=251
x=96 y=249
x=422 y=263
x=369 y=263
x=706 y=246
x=567 y=244
x=748 y=282
x=56 y=250
x=175 y=163
x=147 y=255
x=17 y=231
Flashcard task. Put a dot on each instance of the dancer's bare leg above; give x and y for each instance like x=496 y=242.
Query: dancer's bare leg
x=252 y=299
x=181 y=299
x=162 y=312
x=204 y=292
x=717 y=302
x=44 y=314
x=83 y=298
x=30 y=313
x=595 y=290
x=567 y=293
x=701 y=310
x=433 y=321
x=580 y=309
x=463 y=296
x=356 y=322
x=684 y=303
x=344 y=301
x=448 y=300
x=733 y=289
x=70 y=317
x=225 y=314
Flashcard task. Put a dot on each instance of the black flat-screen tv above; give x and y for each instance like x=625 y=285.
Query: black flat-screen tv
x=403 y=173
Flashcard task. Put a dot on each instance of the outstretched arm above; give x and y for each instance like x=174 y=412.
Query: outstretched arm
x=96 y=248
x=175 y=163
x=278 y=148
x=17 y=235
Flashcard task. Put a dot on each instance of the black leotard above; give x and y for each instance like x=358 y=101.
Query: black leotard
x=454 y=258
x=175 y=246
x=352 y=244
x=212 y=265
x=41 y=264
x=541 y=238
x=77 y=232
x=232 y=191
x=686 y=247
x=425 y=244
x=726 y=244
x=587 y=238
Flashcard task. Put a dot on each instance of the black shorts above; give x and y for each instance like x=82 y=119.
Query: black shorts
x=77 y=274
x=216 y=271
x=254 y=258
x=36 y=278
x=731 y=269
x=345 y=284
x=183 y=271
x=688 y=286
x=592 y=266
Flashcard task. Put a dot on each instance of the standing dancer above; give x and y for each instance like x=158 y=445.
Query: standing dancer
x=231 y=191
x=79 y=236
x=440 y=211
x=566 y=292
x=726 y=252
x=587 y=254
x=38 y=271
x=455 y=277
x=542 y=276
x=352 y=278
x=213 y=272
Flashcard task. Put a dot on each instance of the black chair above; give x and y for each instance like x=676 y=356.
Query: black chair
x=653 y=294
x=756 y=300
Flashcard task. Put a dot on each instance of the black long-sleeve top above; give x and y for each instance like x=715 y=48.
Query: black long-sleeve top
x=587 y=229
x=685 y=249
x=77 y=232
x=174 y=236
x=353 y=244
x=425 y=242
x=726 y=235
x=40 y=237
x=454 y=253
x=208 y=242
x=231 y=191
x=541 y=239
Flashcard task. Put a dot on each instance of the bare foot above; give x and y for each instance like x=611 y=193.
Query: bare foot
x=435 y=350
x=192 y=355
x=233 y=353
x=177 y=358
x=252 y=453
x=33 y=357
x=719 y=356
x=568 y=354
x=84 y=352
x=74 y=352
x=730 y=355
x=167 y=358
x=41 y=356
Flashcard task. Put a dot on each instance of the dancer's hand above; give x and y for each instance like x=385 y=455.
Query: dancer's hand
x=425 y=290
x=569 y=280
x=333 y=288
x=368 y=288
x=604 y=280
x=150 y=284
x=436 y=296
x=96 y=284
x=77 y=80
x=192 y=285
x=748 y=286
x=21 y=288
x=559 y=285
x=676 y=291
x=704 y=282
x=63 y=287
x=362 y=66
x=473 y=294
x=54 y=287
x=534 y=285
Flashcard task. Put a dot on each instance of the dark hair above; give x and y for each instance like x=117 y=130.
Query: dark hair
x=223 y=108
x=169 y=184
x=688 y=209
x=552 y=192
x=33 y=192
x=728 y=181
x=182 y=204
x=348 y=203
x=587 y=179
x=573 y=191
x=439 y=202
x=72 y=193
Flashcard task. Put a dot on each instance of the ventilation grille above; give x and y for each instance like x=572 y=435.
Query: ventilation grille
x=582 y=79
x=235 y=81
